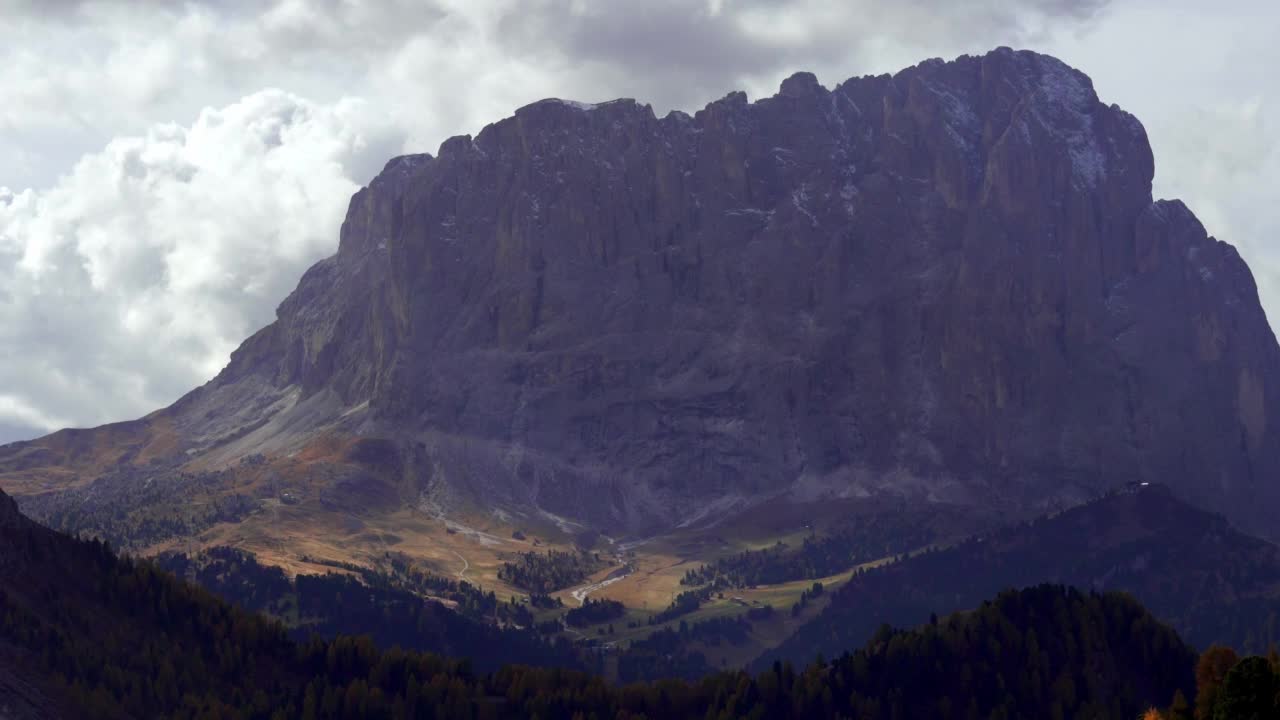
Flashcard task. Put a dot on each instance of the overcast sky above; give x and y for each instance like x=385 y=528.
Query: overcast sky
x=167 y=175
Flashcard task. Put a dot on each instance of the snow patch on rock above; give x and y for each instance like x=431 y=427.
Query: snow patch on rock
x=1065 y=110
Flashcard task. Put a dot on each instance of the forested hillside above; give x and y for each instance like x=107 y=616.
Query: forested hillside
x=1191 y=568
x=387 y=606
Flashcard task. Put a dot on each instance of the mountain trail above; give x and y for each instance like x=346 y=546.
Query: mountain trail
x=462 y=574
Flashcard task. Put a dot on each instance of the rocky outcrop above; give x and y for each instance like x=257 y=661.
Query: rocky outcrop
x=950 y=283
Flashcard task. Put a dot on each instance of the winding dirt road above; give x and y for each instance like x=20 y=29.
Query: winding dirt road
x=462 y=574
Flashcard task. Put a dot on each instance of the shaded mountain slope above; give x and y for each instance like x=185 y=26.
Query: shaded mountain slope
x=1191 y=568
x=949 y=283
x=1106 y=655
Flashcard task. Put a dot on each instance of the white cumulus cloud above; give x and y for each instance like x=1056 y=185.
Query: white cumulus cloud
x=131 y=279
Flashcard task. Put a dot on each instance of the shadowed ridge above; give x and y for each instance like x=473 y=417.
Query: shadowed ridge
x=1192 y=569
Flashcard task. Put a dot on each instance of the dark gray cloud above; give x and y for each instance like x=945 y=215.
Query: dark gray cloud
x=12 y=432
x=680 y=54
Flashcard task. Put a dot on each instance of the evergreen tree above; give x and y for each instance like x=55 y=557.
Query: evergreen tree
x=1248 y=692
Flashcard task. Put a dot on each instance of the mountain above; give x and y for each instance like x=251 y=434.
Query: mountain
x=1191 y=568
x=951 y=283
x=114 y=638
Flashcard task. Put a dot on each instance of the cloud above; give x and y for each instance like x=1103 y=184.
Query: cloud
x=130 y=280
x=172 y=199
x=678 y=54
x=1224 y=159
x=20 y=419
x=79 y=73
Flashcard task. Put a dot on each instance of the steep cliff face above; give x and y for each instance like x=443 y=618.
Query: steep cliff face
x=951 y=283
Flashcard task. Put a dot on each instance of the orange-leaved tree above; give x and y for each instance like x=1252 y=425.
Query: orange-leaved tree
x=1211 y=670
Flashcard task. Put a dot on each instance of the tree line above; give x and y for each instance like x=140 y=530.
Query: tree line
x=551 y=570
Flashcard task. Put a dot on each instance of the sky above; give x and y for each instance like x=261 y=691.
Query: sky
x=167 y=171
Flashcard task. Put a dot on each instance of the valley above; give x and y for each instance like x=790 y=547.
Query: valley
x=298 y=531
x=743 y=588
x=644 y=575
x=114 y=638
x=730 y=592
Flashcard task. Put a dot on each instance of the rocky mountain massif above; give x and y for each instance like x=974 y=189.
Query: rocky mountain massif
x=951 y=283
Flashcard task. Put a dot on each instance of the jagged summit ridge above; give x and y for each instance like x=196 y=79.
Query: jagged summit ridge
x=949 y=283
